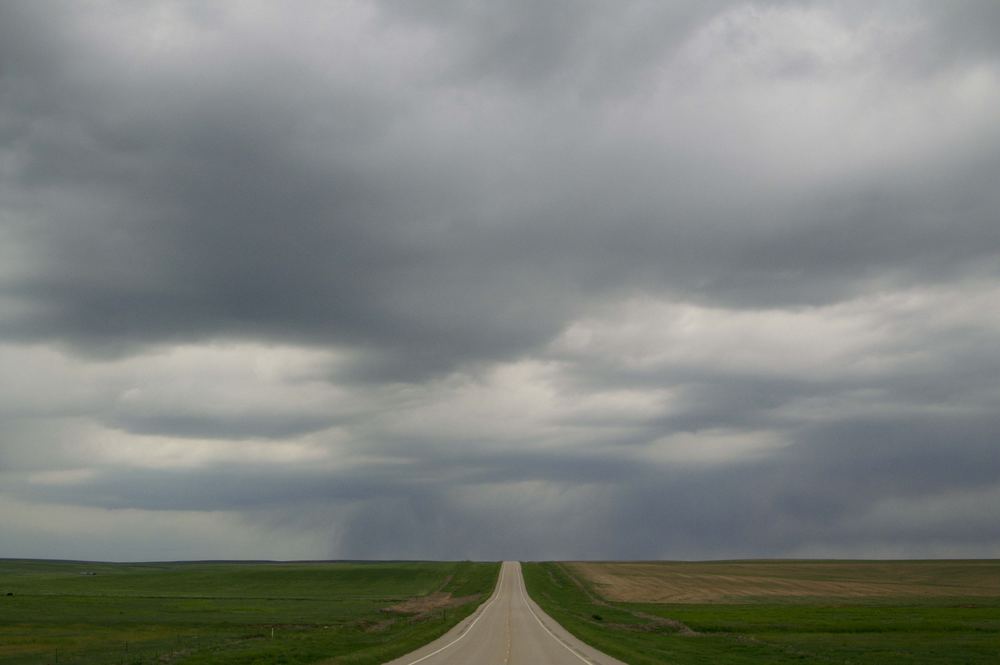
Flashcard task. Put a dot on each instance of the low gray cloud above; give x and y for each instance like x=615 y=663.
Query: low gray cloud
x=461 y=279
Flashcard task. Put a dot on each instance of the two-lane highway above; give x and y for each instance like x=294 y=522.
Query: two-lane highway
x=509 y=629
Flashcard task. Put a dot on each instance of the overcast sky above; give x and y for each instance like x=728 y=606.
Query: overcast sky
x=473 y=279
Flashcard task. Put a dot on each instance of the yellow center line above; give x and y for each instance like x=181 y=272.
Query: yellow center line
x=506 y=659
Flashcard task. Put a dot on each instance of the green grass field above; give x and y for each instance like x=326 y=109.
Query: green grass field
x=199 y=613
x=924 y=622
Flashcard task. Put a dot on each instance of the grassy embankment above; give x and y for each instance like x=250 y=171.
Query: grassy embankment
x=200 y=613
x=778 y=611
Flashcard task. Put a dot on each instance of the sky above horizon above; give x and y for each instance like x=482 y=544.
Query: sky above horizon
x=526 y=280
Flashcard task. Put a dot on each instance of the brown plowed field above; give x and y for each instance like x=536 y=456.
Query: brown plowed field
x=746 y=581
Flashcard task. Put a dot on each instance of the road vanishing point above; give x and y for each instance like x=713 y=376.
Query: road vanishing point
x=508 y=629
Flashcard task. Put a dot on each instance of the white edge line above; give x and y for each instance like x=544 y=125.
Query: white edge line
x=546 y=628
x=469 y=628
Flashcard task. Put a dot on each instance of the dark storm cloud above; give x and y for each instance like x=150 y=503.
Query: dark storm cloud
x=250 y=195
x=162 y=206
x=590 y=47
x=244 y=426
x=965 y=29
x=235 y=485
x=800 y=195
x=233 y=488
x=821 y=490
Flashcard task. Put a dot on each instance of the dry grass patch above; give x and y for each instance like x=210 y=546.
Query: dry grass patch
x=439 y=600
x=736 y=581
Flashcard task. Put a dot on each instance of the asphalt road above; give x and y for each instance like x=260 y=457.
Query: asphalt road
x=509 y=629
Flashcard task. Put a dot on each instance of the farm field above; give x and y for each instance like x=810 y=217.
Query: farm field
x=778 y=611
x=214 y=612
